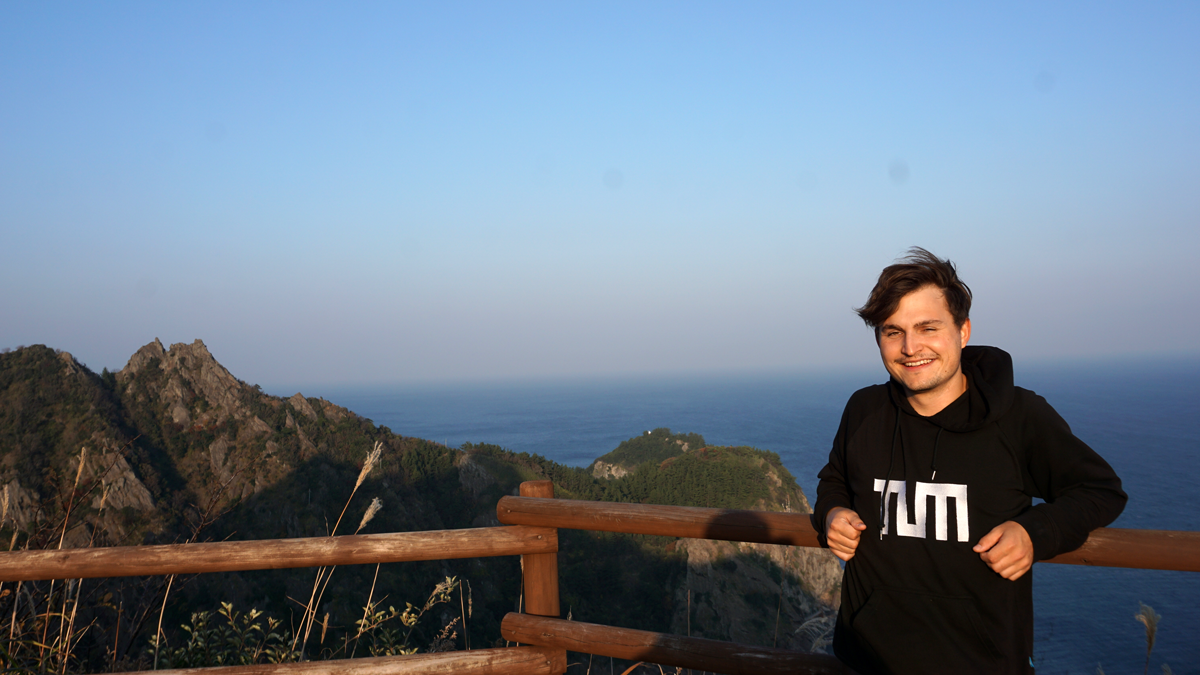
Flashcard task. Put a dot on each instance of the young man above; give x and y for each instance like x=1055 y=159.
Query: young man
x=928 y=492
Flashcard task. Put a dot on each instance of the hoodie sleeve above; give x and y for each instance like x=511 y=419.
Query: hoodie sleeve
x=1081 y=491
x=833 y=489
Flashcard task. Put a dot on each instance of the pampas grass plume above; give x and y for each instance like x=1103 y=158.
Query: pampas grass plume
x=372 y=460
x=376 y=504
x=1150 y=618
x=82 y=460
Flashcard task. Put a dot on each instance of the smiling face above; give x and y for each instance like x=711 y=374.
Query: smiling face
x=922 y=349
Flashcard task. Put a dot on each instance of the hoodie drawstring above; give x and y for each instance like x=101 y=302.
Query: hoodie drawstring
x=933 y=464
x=883 y=498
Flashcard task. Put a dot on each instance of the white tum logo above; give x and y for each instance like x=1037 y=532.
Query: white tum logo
x=942 y=493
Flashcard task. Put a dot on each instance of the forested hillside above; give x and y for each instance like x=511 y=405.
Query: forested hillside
x=174 y=448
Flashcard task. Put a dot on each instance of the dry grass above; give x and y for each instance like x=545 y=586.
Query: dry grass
x=1150 y=618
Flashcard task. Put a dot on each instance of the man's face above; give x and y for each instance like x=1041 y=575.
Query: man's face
x=922 y=347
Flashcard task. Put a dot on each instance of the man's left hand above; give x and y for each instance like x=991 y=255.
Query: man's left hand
x=1007 y=549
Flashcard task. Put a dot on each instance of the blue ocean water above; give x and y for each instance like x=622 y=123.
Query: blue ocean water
x=1144 y=418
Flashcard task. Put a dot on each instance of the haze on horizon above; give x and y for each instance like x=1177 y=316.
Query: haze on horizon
x=384 y=193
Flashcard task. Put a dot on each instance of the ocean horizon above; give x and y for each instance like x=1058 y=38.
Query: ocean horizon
x=1141 y=416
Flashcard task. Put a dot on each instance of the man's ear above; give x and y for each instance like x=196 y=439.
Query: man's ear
x=965 y=332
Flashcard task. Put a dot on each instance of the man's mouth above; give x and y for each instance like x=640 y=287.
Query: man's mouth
x=916 y=364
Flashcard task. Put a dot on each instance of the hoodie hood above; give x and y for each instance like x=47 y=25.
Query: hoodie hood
x=988 y=397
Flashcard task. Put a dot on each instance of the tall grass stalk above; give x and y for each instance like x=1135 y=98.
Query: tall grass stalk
x=44 y=625
x=207 y=516
x=366 y=611
x=158 y=632
x=61 y=538
x=467 y=613
x=325 y=573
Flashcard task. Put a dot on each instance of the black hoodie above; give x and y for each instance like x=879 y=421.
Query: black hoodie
x=915 y=597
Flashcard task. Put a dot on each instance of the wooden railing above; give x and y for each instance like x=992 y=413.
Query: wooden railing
x=531 y=528
x=1106 y=547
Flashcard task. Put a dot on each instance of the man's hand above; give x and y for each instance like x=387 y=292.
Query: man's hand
x=1007 y=549
x=842 y=529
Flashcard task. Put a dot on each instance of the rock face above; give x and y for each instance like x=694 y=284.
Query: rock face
x=191 y=371
x=190 y=395
x=757 y=594
x=17 y=504
x=607 y=470
x=760 y=594
x=118 y=500
x=63 y=445
x=169 y=437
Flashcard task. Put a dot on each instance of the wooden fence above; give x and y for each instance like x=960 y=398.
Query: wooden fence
x=531 y=528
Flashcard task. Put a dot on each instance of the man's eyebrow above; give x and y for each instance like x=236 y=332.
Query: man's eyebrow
x=926 y=322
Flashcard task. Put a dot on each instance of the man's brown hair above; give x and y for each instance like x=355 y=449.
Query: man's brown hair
x=918 y=269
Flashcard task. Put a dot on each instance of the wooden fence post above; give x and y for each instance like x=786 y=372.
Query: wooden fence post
x=540 y=569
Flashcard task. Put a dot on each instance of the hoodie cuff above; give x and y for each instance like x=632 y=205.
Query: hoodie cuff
x=820 y=528
x=821 y=513
x=1041 y=531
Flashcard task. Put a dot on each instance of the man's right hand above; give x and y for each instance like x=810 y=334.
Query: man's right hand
x=842 y=530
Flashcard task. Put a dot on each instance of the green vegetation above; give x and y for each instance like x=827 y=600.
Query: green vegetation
x=716 y=477
x=179 y=451
x=46 y=417
x=630 y=580
x=652 y=446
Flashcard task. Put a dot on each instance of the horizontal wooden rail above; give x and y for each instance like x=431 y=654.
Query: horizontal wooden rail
x=499 y=661
x=763 y=527
x=663 y=649
x=1137 y=549
x=268 y=554
x=1106 y=547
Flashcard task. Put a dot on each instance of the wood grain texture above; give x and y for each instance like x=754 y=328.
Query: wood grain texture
x=1106 y=547
x=500 y=661
x=541 y=569
x=127 y=561
x=663 y=649
x=1137 y=549
x=763 y=527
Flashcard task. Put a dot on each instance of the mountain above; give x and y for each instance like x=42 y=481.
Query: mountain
x=173 y=447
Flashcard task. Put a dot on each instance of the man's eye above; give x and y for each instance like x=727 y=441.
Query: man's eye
x=891 y=333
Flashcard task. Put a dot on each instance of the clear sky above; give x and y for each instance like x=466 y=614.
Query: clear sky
x=353 y=193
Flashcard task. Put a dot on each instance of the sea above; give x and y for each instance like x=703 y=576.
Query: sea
x=1143 y=416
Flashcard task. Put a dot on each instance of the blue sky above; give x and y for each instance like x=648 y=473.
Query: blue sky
x=400 y=192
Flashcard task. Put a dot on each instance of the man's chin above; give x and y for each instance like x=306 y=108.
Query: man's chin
x=906 y=380
x=916 y=385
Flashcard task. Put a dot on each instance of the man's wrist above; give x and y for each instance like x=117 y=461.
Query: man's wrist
x=1041 y=532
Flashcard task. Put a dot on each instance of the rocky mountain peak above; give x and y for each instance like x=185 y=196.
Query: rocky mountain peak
x=189 y=371
x=141 y=357
x=73 y=367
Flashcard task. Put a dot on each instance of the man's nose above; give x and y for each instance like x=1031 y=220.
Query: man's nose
x=911 y=343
